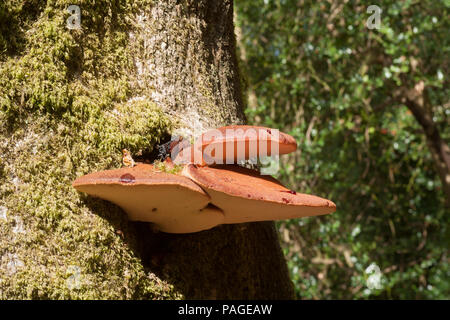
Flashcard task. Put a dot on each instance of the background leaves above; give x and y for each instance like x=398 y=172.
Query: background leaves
x=314 y=70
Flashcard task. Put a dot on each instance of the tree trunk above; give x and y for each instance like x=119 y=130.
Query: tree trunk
x=70 y=100
x=193 y=74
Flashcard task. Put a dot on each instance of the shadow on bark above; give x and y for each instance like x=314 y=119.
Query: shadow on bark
x=238 y=266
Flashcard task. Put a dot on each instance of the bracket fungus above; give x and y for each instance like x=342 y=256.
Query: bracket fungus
x=232 y=144
x=202 y=196
x=174 y=203
x=245 y=196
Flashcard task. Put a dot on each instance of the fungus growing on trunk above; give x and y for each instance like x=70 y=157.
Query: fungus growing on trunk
x=174 y=203
x=231 y=144
x=201 y=197
x=244 y=195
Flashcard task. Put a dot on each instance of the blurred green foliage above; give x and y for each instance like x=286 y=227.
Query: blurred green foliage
x=314 y=70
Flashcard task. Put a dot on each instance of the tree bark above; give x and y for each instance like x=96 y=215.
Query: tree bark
x=70 y=100
x=191 y=67
x=185 y=53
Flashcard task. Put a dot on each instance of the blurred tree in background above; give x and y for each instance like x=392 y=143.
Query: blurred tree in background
x=370 y=110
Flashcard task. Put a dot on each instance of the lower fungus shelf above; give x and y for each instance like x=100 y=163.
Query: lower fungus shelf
x=200 y=198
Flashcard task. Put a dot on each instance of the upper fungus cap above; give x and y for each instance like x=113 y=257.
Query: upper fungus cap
x=231 y=144
x=244 y=195
x=172 y=202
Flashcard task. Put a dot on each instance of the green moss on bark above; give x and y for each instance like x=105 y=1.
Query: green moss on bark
x=66 y=109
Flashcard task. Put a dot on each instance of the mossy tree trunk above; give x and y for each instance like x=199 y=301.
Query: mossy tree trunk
x=70 y=100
